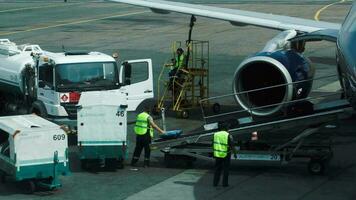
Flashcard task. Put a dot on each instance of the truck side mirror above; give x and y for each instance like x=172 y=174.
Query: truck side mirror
x=127 y=73
x=41 y=84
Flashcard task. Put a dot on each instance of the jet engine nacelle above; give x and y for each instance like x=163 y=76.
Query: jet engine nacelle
x=267 y=69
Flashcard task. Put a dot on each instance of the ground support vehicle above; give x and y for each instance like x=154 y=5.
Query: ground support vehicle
x=102 y=129
x=297 y=128
x=33 y=152
x=50 y=84
x=190 y=84
x=183 y=92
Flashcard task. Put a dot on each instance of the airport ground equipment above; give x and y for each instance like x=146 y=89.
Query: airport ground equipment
x=170 y=133
x=184 y=91
x=50 y=84
x=33 y=152
x=102 y=129
x=298 y=129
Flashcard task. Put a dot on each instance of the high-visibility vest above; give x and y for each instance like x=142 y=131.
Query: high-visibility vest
x=179 y=61
x=221 y=144
x=142 y=124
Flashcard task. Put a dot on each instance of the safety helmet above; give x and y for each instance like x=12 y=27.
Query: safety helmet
x=180 y=49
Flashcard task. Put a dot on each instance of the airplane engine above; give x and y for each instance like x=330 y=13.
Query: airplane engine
x=269 y=69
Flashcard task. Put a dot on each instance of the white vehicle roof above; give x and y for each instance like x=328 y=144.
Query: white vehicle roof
x=6 y=42
x=61 y=58
x=32 y=140
x=8 y=48
x=11 y=124
x=103 y=98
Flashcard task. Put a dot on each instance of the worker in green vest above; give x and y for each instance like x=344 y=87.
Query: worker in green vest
x=178 y=62
x=144 y=133
x=223 y=144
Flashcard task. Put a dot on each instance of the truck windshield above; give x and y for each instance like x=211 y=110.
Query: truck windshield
x=87 y=76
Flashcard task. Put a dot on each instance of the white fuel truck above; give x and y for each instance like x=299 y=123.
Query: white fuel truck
x=50 y=84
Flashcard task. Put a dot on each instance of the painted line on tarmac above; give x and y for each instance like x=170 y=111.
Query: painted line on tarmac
x=317 y=14
x=177 y=187
x=78 y=19
x=37 y=7
x=73 y=23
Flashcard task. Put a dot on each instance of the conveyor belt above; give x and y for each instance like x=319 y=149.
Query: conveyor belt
x=323 y=113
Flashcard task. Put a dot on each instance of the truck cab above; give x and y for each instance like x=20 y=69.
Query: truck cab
x=63 y=77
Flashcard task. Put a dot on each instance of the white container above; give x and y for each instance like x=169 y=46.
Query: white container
x=102 y=125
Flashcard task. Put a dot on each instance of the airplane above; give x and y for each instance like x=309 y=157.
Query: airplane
x=281 y=65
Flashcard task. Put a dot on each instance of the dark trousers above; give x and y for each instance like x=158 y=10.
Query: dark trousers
x=142 y=142
x=175 y=76
x=173 y=72
x=222 y=164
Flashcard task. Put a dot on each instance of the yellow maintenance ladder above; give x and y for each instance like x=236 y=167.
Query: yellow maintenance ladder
x=184 y=92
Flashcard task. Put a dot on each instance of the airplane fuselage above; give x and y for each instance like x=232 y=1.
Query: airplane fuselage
x=346 y=56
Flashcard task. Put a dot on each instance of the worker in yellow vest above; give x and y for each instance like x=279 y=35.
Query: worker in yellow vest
x=178 y=62
x=223 y=144
x=144 y=133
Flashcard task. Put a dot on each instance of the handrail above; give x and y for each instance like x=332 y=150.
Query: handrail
x=270 y=105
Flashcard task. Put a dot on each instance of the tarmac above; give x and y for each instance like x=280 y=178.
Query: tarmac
x=137 y=33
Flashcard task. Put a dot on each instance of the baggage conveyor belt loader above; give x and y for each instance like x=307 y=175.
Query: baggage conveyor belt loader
x=199 y=145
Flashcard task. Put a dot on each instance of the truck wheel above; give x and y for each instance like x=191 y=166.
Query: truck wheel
x=3 y=178
x=189 y=163
x=155 y=110
x=216 y=108
x=168 y=160
x=84 y=164
x=39 y=109
x=111 y=164
x=316 y=167
x=185 y=114
x=28 y=187
x=120 y=164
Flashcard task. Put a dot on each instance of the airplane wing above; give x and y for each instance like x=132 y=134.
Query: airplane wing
x=236 y=17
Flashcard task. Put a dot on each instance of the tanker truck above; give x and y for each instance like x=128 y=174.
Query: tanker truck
x=50 y=84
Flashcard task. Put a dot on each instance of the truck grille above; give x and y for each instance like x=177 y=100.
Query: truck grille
x=71 y=109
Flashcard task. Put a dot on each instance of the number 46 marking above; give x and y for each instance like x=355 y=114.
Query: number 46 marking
x=120 y=113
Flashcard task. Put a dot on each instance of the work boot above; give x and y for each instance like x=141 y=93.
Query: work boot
x=133 y=162
x=146 y=163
